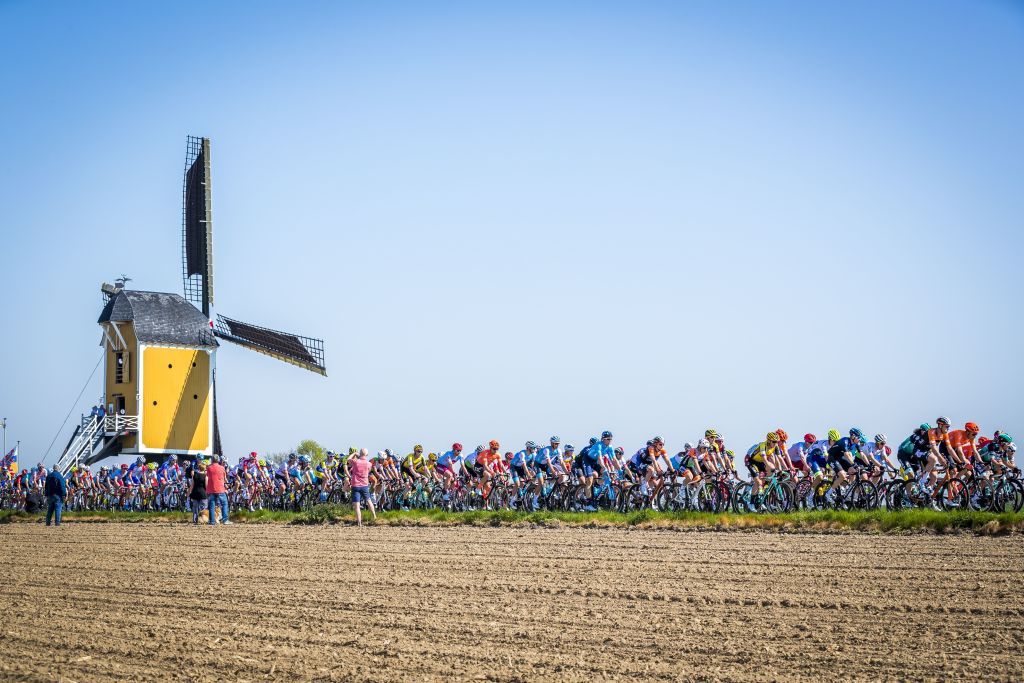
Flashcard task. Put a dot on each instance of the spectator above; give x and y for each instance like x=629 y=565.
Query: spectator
x=216 y=492
x=56 y=491
x=359 y=469
x=197 y=490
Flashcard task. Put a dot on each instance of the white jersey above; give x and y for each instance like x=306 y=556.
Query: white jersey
x=797 y=452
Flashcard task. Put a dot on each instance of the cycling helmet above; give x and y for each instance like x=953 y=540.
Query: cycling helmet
x=593 y=440
x=569 y=448
x=530 y=444
x=432 y=457
x=772 y=437
x=124 y=467
x=380 y=455
x=1012 y=448
x=942 y=421
x=783 y=436
x=140 y=460
x=292 y=456
x=417 y=448
x=855 y=432
x=730 y=454
x=810 y=438
x=606 y=435
x=262 y=463
x=252 y=455
x=1006 y=438
x=972 y=427
x=658 y=439
x=388 y=452
x=710 y=434
x=456 y=446
x=103 y=468
x=687 y=447
x=172 y=458
x=833 y=435
x=74 y=469
x=304 y=458
x=703 y=443
x=650 y=443
x=880 y=438
x=494 y=444
x=619 y=450
x=151 y=466
x=555 y=439
x=925 y=427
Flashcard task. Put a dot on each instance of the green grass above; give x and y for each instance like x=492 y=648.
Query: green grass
x=878 y=521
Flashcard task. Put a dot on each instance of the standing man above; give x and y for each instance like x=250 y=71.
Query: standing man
x=359 y=471
x=56 y=492
x=216 y=491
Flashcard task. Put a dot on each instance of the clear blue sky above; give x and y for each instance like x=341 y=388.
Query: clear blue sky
x=532 y=219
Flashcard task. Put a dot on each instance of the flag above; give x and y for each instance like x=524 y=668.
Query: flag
x=10 y=460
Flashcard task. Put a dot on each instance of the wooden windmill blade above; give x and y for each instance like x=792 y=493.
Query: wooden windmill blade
x=197 y=225
x=304 y=352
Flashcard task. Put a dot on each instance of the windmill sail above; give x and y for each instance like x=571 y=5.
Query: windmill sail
x=304 y=352
x=197 y=225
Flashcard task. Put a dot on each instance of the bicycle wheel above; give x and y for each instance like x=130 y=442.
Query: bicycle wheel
x=863 y=495
x=741 y=498
x=954 y=495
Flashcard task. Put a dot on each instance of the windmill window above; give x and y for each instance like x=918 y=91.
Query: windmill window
x=154 y=402
x=195 y=396
x=169 y=366
x=122 y=372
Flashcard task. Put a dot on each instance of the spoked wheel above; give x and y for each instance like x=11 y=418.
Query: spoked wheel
x=741 y=498
x=954 y=495
x=863 y=495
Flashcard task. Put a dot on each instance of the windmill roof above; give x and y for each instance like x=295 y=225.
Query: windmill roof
x=160 y=318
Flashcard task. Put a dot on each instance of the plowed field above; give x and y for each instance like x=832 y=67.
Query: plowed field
x=169 y=601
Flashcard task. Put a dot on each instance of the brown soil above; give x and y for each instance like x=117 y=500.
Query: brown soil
x=167 y=601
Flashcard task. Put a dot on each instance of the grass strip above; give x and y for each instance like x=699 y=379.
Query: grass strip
x=875 y=521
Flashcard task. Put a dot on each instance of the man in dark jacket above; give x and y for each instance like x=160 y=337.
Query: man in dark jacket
x=56 y=491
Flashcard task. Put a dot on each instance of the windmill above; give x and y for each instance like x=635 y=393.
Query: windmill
x=160 y=349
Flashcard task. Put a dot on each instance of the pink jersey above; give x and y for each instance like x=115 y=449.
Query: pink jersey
x=359 y=469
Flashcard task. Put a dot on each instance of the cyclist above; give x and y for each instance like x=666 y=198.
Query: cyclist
x=544 y=464
x=760 y=461
x=521 y=461
x=841 y=455
x=640 y=469
x=798 y=454
x=448 y=462
x=472 y=472
x=963 y=444
x=412 y=464
x=594 y=458
x=782 y=460
x=878 y=452
x=490 y=461
x=914 y=454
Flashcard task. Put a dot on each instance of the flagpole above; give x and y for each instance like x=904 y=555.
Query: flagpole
x=3 y=423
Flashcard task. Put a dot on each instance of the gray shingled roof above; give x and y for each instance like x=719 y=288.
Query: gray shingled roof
x=160 y=318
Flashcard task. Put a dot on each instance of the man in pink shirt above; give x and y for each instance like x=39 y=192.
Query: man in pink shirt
x=216 y=492
x=359 y=471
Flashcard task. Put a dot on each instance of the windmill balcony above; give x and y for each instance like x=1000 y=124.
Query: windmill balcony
x=118 y=424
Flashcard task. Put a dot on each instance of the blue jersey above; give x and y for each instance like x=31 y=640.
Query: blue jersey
x=597 y=450
x=449 y=459
x=520 y=459
x=548 y=456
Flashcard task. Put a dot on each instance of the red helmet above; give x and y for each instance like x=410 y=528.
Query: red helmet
x=456 y=446
x=810 y=438
x=124 y=466
x=253 y=456
x=494 y=445
x=783 y=436
x=972 y=427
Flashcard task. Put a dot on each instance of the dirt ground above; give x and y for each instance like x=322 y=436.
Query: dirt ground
x=255 y=602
